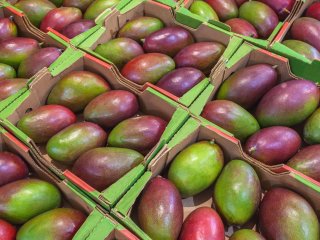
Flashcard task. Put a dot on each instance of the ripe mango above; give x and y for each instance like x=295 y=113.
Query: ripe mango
x=81 y=4
x=58 y=3
x=8 y=29
x=99 y=6
x=24 y=199
x=196 y=167
x=44 y=122
x=226 y=9
x=281 y=7
x=78 y=27
x=7 y=231
x=110 y=108
x=284 y=214
x=160 y=211
x=237 y=192
x=67 y=145
x=9 y=87
x=76 y=89
x=204 y=10
x=288 y=103
x=141 y=27
x=6 y=71
x=313 y=11
x=311 y=130
x=245 y=234
x=231 y=117
x=303 y=48
x=242 y=27
x=101 y=167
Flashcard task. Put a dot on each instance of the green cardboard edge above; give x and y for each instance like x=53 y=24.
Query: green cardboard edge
x=188 y=98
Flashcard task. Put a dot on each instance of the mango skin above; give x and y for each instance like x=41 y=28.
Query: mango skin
x=119 y=51
x=313 y=11
x=59 y=18
x=286 y=215
x=201 y=55
x=168 y=40
x=78 y=27
x=44 y=122
x=110 y=108
x=242 y=27
x=196 y=167
x=261 y=16
x=226 y=9
x=307 y=161
x=12 y=168
x=281 y=7
x=6 y=71
x=58 y=224
x=97 y=7
x=141 y=27
x=9 y=87
x=76 y=89
x=14 y=50
x=8 y=29
x=303 y=48
x=67 y=145
x=204 y=10
x=150 y=67
x=160 y=211
x=138 y=133
x=311 y=130
x=58 y=3
x=101 y=167
x=17 y=199
x=247 y=85
x=7 y=231
x=81 y=4
x=300 y=101
x=245 y=234
x=203 y=223
x=181 y=80
x=232 y=117
x=35 y=62
x=35 y=10
x=237 y=198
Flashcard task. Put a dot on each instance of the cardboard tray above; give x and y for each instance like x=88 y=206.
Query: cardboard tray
x=194 y=131
x=150 y=101
x=201 y=31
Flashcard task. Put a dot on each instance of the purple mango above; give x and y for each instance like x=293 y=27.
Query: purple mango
x=8 y=29
x=7 y=71
x=281 y=7
x=78 y=27
x=9 y=87
x=242 y=27
x=226 y=9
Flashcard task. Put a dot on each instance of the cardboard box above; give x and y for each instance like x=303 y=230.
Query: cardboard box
x=201 y=31
x=150 y=101
x=194 y=131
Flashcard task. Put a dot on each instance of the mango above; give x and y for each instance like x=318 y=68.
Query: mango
x=261 y=16
x=44 y=122
x=273 y=145
x=78 y=27
x=168 y=40
x=57 y=224
x=160 y=211
x=6 y=71
x=231 y=117
x=311 y=130
x=7 y=231
x=35 y=10
x=9 y=87
x=37 y=61
x=8 y=29
x=247 y=85
x=119 y=51
x=24 y=199
x=310 y=33
x=204 y=10
x=12 y=168
x=14 y=50
x=101 y=167
x=288 y=103
x=281 y=7
x=307 y=161
x=240 y=2
x=303 y=48
x=76 y=89
x=181 y=80
x=150 y=67
x=284 y=214
x=237 y=198
x=245 y=234
x=110 y=108
x=313 y=11
x=58 y=3
x=226 y=9
x=141 y=27
x=201 y=55
x=202 y=223
x=138 y=133
x=242 y=27
x=59 y=18
x=81 y=4
x=70 y=143
x=196 y=167
x=99 y=6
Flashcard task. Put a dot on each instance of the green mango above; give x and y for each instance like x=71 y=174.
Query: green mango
x=204 y=10
x=58 y=3
x=81 y=4
x=97 y=7
x=246 y=234
x=311 y=130
x=6 y=71
x=303 y=48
